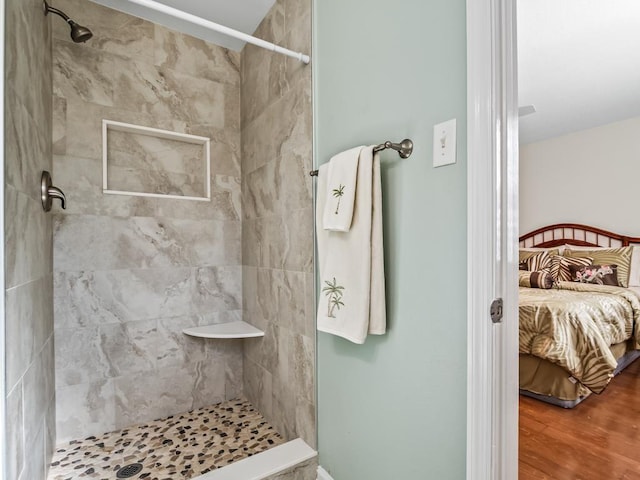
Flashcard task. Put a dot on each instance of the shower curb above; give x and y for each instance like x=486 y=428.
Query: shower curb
x=263 y=465
x=323 y=474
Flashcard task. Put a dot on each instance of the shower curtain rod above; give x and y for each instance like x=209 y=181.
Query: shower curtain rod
x=216 y=27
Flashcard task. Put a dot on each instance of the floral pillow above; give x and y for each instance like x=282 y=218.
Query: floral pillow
x=608 y=256
x=595 y=274
x=561 y=266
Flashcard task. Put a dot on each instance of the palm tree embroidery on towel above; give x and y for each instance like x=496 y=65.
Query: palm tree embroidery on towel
x=338 y=193
x=334 y=292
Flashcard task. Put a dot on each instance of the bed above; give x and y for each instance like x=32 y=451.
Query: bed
x=575 y=337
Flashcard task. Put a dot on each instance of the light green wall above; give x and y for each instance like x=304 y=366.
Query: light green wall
x=394 y=408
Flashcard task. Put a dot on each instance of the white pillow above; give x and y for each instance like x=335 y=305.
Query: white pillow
x=579 y=247
x=634 y=272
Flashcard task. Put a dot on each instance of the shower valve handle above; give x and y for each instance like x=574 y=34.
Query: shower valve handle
x=55 y=192
x=49 y=192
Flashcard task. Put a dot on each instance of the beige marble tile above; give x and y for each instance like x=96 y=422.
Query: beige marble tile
x=275 y=244
x=296 y=12
x=216 y=289
x=143 y=242
x=174 y=347
x=262 y=189
x=284 y=400
x=272 y=28
x=298 y=39
x=86 y=299
x=299 y=234
x=27 y=239
x=29 y=323
x=209 y=383
x=181 y=52
x=291 y=301
x=38 y=390
x=264 y=350
x=129 y=347
x=269 y=284
x=234 y=359
x=283 y=127
x=83 y=73
x=14 y=432
x=84 y=125
x=307 y=326
x=303 y=361
x=249 y=290
x=167 y=93
x=35 y=467
x=251 y=242
x=81 y=180
x=150 y=395
x=258 y=387
x=27 y=149
x=28 y=58
x=91 y=354
x=85 y=409
x=113 y=31
x=59 y=126
x=255 y=82
x=49 y=432
x=306 y=425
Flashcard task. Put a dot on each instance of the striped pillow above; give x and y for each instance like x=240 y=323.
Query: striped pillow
x=608 y=256
x=539 y=261
x=561 y=266
x=539 y=279
x=525 y=253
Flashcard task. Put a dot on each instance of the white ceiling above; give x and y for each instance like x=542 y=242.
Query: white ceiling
x=242 y=15
x=579 y=64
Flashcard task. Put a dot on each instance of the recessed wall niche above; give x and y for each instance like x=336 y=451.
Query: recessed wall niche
x=149 y=162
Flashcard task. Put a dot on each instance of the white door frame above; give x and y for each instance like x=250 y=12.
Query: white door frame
x=492 y=230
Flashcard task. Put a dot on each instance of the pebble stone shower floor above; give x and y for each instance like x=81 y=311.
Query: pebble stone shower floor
x=179 y=447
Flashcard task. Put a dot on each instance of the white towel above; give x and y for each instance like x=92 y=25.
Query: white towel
x=352 y=289
x=341 y=194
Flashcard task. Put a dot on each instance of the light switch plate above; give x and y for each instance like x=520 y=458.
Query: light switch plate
x=444 y=143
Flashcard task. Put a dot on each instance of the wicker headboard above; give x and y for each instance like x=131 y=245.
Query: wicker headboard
x=574 y=234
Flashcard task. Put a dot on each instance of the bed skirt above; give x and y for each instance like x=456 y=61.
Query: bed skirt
x=543 y=380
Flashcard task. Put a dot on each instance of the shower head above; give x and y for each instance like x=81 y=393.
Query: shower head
x=79 y=33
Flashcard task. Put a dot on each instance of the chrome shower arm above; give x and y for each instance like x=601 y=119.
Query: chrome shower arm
x=48 y=8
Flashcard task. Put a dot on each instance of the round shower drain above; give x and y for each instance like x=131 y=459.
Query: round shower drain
x=129 y=471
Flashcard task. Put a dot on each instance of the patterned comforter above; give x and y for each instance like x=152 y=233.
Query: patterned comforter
x=574 y=325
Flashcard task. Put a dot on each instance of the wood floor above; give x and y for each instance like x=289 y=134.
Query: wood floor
x=597 y=440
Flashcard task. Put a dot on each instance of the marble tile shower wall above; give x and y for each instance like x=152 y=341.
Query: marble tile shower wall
x=131 y=272
x=30 y=400
x=277 y=240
